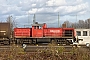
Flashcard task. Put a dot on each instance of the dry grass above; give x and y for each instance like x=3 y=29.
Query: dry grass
x=17 y=53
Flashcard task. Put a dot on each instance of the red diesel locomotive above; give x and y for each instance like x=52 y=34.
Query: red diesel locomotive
x=40 y=33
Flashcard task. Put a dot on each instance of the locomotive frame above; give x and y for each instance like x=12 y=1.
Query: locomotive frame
x=38 y=35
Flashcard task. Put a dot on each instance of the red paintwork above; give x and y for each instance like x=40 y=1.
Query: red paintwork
x=53 y=32
x=69 y=29
x=22 y=32
x=45 y=26
x=37 y=32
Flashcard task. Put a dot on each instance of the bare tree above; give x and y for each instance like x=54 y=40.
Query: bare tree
x=79 y=24
x=12 y=21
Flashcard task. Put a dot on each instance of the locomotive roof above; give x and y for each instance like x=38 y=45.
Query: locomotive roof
x=37 y=24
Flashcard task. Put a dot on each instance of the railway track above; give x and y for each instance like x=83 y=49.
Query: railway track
x=31 y=48
x=67 y=48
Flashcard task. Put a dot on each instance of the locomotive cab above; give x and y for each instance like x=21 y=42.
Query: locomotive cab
x=37 y=30
x=37 y=33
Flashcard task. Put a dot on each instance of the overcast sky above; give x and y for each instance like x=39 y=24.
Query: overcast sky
x=46 y=10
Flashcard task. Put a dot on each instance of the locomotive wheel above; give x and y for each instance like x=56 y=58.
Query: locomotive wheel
x=53 y=41
x=30 y=42
x=18 y=41
x=6 y=42
x=34 y=41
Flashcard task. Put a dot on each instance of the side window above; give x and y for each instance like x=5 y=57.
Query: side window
x=84 y=33
x=78 y=33
x=37 y=27
x=34 y=27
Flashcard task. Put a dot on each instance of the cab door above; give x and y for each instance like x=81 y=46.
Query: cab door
x=37 y=31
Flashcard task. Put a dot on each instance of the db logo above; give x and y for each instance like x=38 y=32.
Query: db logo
x=55 y=31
